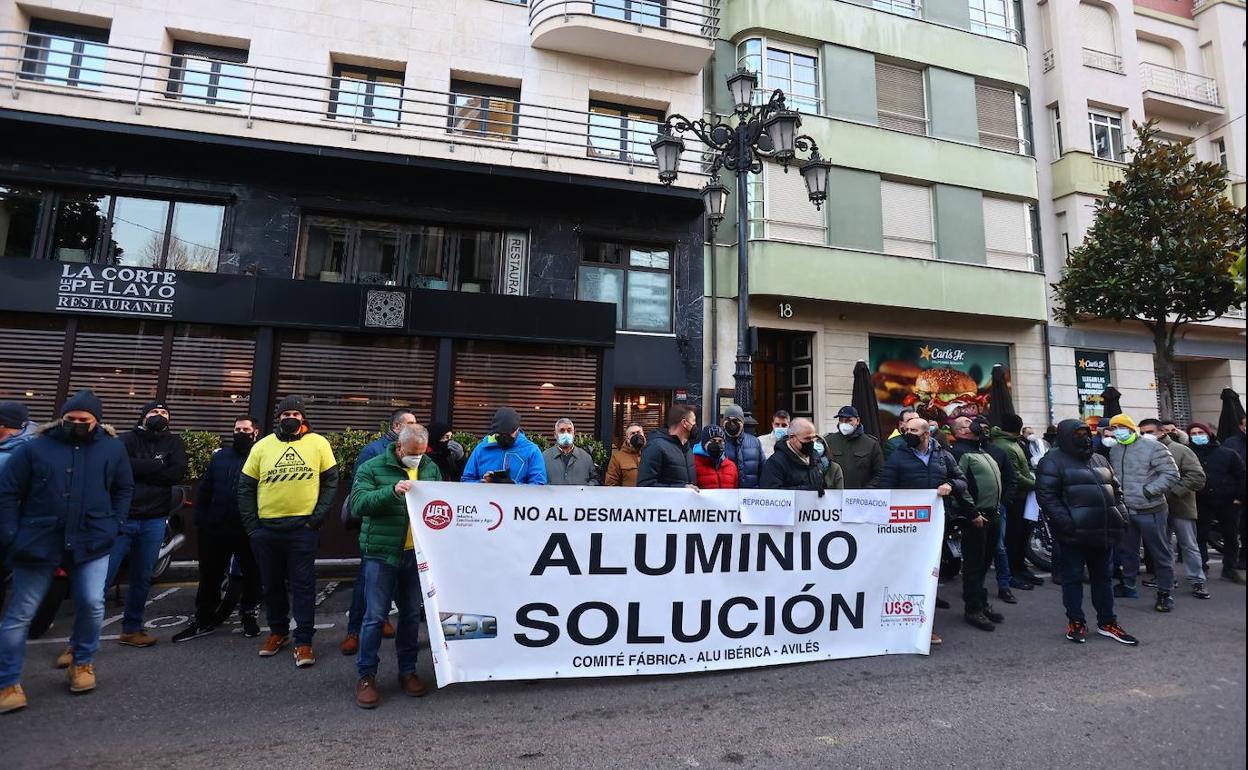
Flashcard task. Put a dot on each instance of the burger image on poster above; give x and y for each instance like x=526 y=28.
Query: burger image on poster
x=894 y=381
x=943 y=394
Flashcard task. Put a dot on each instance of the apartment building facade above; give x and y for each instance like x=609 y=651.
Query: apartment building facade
x=445 y=206
x=926 y=253
x=1097 y=67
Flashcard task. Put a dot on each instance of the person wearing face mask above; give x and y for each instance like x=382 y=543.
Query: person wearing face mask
x=622 y=469
x=745 y=451
x=795 y=464
x=1181 y=502
x=1103 y=438
x=220 y=536
x=505 y=455
x=284 y=493
x=389 y=561
x=1082 y=501
x=1220 y=498
x=779 y=431
x=1010 y=439
x=566 y=463
x=63 y=498
x=446 y=451
x=666 y=460
x=1147 y=472
x=714 y=468
x=833 y=475
x=897 y=439
x=858 y=454
x=158 y=462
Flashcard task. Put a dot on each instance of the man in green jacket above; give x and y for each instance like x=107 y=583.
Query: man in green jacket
x=390 y=572
x=1017 y=529
x=857 y=453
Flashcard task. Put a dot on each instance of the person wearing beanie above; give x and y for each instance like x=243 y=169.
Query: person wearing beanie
x=50 y=517
x=1221 y=498
x=158 y=462
x=1009 y=439
x=284 y=493
x=505 y=455
x=859 y=455
x=446 y=451
x=1146 y=471
x=710 y=460
x=745 y=450
x=1181 y=502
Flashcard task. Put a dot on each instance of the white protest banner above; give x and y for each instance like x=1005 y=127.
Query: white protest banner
x=869 y=506
x=528 y=582
x=767 y=507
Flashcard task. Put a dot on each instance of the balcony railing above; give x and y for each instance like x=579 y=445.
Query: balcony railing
x=687 y=16
x=1014 y=260
x=259 y=95
x=1184 y=85
x=988 y=29
x=1103 y=60
x=1049 y=59
x=911 y=8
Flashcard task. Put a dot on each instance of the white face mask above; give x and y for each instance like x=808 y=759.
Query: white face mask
x=1148 y=436
x=411 y=461
x=1109 y=441
x=846 y=428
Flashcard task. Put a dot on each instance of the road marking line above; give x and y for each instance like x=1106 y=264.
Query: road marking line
x=115 y=637
x=149 y=603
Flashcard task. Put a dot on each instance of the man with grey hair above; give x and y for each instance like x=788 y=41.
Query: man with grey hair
x=378 y=499
x=566 y=463
x=795 y=463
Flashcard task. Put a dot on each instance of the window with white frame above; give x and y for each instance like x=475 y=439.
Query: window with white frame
x=1219 y=149
x=900 y=99
x=907 y=218
x=1007 y=234
x=993 y=18
x=1055 y=127
x=795 y=72
x=1106 y=134
x=790 y=215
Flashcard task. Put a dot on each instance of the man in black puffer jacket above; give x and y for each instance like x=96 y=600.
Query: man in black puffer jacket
x=666 y=461
x=158 y=461
x=1077 y=491
x=794 y=464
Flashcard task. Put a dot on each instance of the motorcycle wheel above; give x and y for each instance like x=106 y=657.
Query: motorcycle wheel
x=1040 y=547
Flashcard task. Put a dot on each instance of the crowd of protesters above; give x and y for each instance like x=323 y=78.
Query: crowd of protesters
x=76 y=495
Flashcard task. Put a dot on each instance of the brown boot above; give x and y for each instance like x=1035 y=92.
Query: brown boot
x=81 y=677
x=137 y=639
x=350 y=645
x=387 y=630
x=65 y=658
x=12 y=698
x=412 y=685
x=366 y=695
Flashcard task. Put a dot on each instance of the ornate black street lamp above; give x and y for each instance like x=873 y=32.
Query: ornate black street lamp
x=762 y=132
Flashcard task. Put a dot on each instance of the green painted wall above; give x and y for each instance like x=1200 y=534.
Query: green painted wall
x=951 y=105
x=852 y=26
x=959 y=216
x=955 y=13
x=714 y=84
x=849 y=83
x=820 y=272
x=854 y=218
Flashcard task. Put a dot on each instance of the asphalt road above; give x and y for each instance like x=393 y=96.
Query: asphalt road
x=1020 y=697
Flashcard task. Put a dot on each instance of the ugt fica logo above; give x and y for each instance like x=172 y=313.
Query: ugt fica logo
x=903 y=609
x=437 y=514
x=909 y=514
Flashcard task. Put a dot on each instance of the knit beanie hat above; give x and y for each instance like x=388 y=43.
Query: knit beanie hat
x=84 y=401
x=1123 y=421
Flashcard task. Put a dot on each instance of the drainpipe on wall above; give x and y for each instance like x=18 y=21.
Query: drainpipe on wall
x=1048 y=375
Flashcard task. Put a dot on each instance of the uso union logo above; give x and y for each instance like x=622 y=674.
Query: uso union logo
x=437 y=514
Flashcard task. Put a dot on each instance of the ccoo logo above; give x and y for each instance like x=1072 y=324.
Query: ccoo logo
x=437 y=514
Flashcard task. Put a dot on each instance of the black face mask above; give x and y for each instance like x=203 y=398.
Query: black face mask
x=637 y=441
x=716 y=451
x=808 y=448
x=506 y=440
x=912 y=440
x=289 y=426
x=732 y=428
x=243 y=442
x=1083 y=445
x=76 y=430
x=156 y=423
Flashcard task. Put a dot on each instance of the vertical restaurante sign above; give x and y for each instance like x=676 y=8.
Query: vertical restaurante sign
x=115 y=289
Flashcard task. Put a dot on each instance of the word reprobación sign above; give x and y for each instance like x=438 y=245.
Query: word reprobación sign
x=536 y=582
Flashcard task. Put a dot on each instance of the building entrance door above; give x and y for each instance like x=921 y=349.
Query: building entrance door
x=784 y=375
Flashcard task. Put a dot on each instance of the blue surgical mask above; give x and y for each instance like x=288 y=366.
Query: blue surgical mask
x=566 y=439
x=780 y=434
x=819 y=448
x=931 y=429
x=1200 y=439
x=1122 y=434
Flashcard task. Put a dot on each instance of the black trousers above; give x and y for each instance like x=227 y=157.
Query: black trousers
x=1228 y=516
x=216 y=546
x=1017 y=533
x=979 y=545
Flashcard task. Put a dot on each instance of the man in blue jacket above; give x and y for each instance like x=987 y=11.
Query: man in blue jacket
x=63 y=498
x=15 y=429
x=742 y=448
x=221 y=537
x=505 y=455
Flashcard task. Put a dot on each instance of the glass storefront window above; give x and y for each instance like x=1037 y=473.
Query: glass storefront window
x=379 y=255
x=139 y=227
x=324 y=251
x=649 y=301
x=601 y=284
x=81 y=221
x=195 y=237
x=19 y=220
x=641 y=287
x=476 y=257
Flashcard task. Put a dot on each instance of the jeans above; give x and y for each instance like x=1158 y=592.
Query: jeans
x=1185 y=531
x=1001 y=560
x=359 y=602
x=1152 y=528
x=978 y=546
x=1100 y=579
x=384 y=585
x=30 y=584
x=216 y=546
x=139 y=540
x=287 y=559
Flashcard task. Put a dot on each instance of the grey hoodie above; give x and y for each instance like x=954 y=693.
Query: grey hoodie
x=1146 y=471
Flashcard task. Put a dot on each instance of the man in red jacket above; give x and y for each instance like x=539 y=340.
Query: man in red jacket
x=715 y=471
